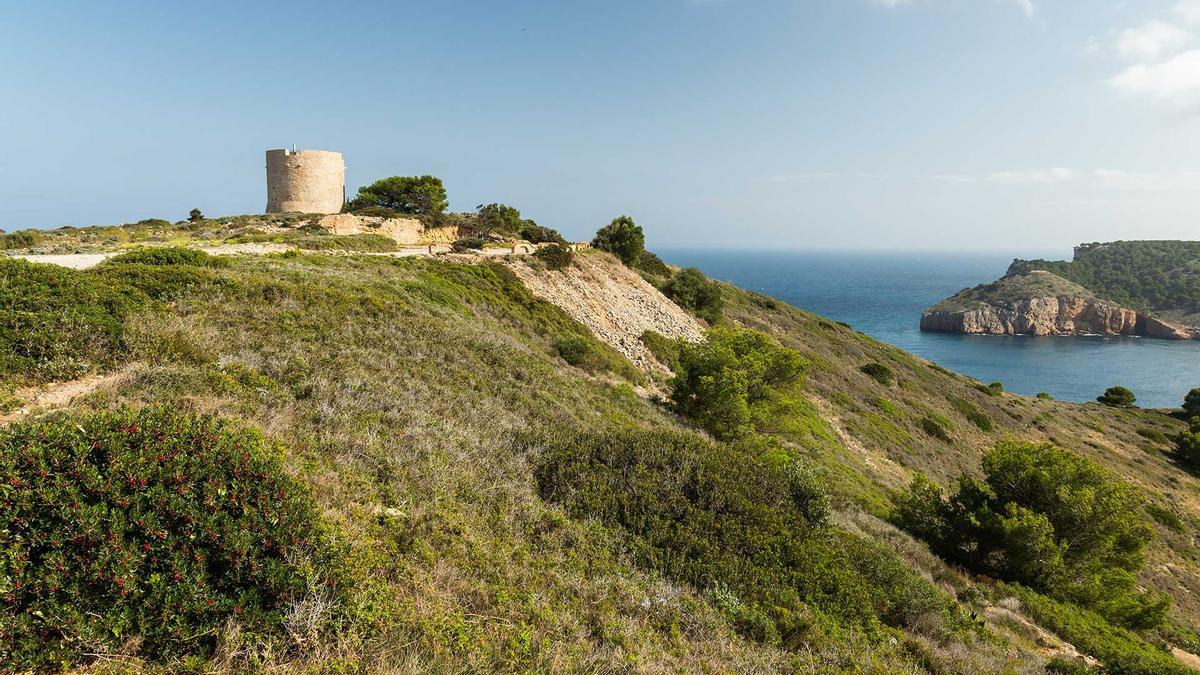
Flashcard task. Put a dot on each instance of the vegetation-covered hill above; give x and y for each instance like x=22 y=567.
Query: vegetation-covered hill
x=1012 y=290
x=473 y=484
x=1162 y=277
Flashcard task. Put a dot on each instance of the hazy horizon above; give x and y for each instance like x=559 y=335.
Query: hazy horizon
x=938 y=125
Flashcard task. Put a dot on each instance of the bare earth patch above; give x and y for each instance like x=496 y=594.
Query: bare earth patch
x=56 y=395
x=615 y=302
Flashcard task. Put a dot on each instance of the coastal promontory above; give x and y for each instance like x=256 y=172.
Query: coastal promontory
x=1126 y=288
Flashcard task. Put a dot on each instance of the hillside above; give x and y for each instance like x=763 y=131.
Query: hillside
x=1160 y=277
x=493 y=494
x=1149 y=288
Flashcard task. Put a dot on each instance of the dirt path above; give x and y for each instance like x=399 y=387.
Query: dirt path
x=56 y=395
x=83 y=261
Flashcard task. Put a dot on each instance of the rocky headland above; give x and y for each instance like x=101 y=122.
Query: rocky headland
x=1041 y=303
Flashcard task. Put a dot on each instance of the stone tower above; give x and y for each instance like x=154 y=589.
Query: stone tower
x=305 y=181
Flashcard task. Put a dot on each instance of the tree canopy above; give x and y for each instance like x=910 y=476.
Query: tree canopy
x=622 y=238
x=1045 y=518
x=1118 y=397
x=414 y=195
x=729 y=382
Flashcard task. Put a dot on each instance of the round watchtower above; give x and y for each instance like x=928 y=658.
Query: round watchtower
x=305 y=181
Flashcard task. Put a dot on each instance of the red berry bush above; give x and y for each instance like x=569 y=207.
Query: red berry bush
x=148 y=528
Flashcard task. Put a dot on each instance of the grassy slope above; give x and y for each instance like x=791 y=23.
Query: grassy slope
x=883 y=426
x=398 y=385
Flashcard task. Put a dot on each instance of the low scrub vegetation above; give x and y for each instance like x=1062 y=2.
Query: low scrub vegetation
x=744 y=524
x=693 y=291
x=879 y=372
x=1047 y=519
x=168 y=255
x=57 y=323
x=148 y=524
x=735 y=380
x=555 y=256
x=354 y=243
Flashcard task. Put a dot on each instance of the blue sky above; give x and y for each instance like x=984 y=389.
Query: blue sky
x=882 y=124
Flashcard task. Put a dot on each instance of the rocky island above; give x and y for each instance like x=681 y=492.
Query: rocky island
x=1125 y=288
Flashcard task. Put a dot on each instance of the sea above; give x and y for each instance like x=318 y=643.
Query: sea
x=884 y=294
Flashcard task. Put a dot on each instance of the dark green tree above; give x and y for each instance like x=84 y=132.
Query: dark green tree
x=1187 y=446
x=728 y=383
x=499 y=219
x=622 y=238
x=416 y=195
x=1117 y=397
x=194 y=215
x=1047 y=519
x=555 y=256
x=1191 y=403
x=690 y=289
x=537 y=234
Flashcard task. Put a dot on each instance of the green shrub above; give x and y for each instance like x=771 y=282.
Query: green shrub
x=195 y=216
x=935 y=428
x=575 y=350
x=691 y=290
x=467 y=244
x=1191 y=403
x=993 y=389
x=1165 y=517
x=972 y=412
x=622 y=238
x=1120 y=650
x=653 y=265
x=536 y=234
x=555 y=256
x=728 y=519
x=663 y=348
x=417 y=195
x=373 y=211
x=499 y=219
x=1153 y=435
x=1187 y=446
x=57 y=323
x=1044 y=396
x=354 y=243
x=879 y=372
x=729 y=382
x=162 y=282
x=152 y=526
x=168 y=255
x=1117 y=397
x=1045 y=518
x=21 y=239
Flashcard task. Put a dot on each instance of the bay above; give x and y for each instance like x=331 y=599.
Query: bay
x=884 y=294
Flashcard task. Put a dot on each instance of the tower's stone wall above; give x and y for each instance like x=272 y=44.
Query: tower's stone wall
x=308 y=181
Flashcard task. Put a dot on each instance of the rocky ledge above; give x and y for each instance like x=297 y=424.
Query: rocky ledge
x=1041 y=303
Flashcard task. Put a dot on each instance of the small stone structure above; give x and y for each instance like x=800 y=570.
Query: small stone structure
x=305 y=181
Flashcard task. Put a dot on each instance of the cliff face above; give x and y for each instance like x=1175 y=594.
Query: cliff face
x=1041 y=303
x=1036 y=316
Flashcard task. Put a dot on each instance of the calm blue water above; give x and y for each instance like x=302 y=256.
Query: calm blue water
x=883 y=295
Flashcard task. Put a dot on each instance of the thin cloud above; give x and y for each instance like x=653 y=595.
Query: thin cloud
x=1152 y=41
x=1174 y=83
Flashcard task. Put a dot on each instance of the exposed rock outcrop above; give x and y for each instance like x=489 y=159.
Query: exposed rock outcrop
x=616 y=303
x=1041 y=303
x=404 y=231
x=1036 y=316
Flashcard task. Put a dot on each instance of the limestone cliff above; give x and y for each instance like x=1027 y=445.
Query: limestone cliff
x=1040 y=303
x=613 y=301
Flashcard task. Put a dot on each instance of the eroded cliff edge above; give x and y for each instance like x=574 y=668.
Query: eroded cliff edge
x=1041 y=303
